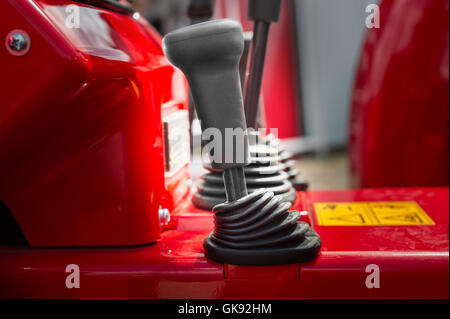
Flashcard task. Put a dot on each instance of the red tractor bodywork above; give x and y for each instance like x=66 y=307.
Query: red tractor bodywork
x=83 y=164
x=80 y=127
x=400 y=112
x=413 y=261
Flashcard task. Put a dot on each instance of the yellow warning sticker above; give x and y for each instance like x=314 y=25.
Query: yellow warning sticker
x=371 y=214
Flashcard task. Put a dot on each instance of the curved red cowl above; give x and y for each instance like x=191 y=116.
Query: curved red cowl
x=400 y=111
x=81 y=144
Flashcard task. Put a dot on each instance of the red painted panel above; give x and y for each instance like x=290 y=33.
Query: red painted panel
x=175 y=267
x=80 y=126
x=281 y=79
x=402 y=275
x=434 y=238
x=400 y=111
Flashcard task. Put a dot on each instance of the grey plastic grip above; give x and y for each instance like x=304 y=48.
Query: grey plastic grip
x=209 y=53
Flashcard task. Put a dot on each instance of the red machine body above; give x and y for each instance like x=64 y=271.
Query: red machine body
x=413 y=260
x=83 y=164
x=81 y=133
x=400 y=111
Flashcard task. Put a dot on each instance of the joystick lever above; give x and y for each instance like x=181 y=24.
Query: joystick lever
x=250 y=229
x=209 y=53
x=263 y=12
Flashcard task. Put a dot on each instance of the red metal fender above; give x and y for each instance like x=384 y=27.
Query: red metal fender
x=81 y=126
x=400 y=109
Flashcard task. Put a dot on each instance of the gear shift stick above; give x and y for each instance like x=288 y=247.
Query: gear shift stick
x=263 y=12
x=265 y=168
x=209 y=54
x=250 y=229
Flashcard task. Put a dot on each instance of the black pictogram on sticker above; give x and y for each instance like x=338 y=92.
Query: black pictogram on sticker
x=407 y=217
x=351 y=218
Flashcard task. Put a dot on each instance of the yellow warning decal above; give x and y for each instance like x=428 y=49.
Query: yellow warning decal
x=371 y=214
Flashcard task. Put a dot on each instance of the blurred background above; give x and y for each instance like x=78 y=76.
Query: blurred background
x=314 y=54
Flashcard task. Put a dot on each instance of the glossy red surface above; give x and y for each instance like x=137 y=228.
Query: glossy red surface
x=434 y=201
x=413 y=261
x=80 y=126
x=400 y=111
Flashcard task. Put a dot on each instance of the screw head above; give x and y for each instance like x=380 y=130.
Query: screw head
x=18 y=42
x=164 y=216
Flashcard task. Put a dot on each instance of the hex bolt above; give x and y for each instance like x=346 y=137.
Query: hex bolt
x=164 y=216
x=18 y=42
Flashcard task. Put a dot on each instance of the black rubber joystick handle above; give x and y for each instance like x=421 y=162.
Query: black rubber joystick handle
x=209 y=54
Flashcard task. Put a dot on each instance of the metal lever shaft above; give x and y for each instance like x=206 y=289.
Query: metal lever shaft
x=263 y=12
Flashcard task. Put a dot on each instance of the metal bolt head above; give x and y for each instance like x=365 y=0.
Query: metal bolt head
x=18 y=42
x=164 y=216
